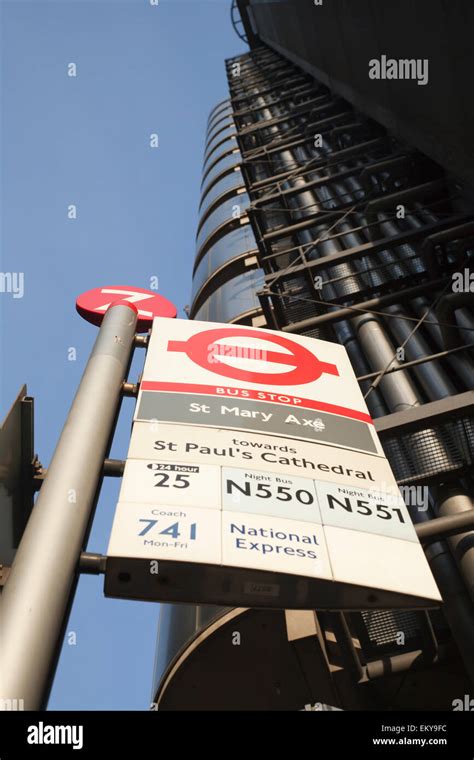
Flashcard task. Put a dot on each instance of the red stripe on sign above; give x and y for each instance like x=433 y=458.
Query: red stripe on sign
x=276 y=398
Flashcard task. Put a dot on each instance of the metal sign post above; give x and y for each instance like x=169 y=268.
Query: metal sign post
x=36 y=597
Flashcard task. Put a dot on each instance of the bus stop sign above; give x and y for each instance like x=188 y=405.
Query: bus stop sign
x=93 y=304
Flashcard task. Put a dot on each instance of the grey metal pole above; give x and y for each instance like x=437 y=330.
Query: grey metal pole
x=443 y=527
x=36 y=596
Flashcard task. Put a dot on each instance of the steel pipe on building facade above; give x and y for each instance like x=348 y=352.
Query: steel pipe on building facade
x=400 y=393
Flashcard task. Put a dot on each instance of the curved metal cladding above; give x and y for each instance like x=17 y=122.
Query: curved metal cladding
x=217 y=140
x=226 y=275
x=237 y=247
x=223 y=163
x=226 y=280
x=224 y=124
x=216 y=113
x=221 y=188
x=321 y=182
x=234 y=301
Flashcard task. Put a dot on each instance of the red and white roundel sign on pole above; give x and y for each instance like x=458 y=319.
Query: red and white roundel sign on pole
x=192 y=357
x=204 y=350
x=93 y=304
x=242 y=434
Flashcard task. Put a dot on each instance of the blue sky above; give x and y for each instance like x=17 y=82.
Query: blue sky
x=84 y=140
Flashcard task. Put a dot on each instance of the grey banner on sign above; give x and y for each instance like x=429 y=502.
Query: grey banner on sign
x=259 y=416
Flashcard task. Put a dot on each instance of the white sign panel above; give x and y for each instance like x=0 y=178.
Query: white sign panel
x=170 y=533
x=171 y=483
x=191 y=445
x=281 y=368
x=380 y=562
x=365 y=510
x=254 y=477
x=265 y=493
x=283 y=546
x=205 y=373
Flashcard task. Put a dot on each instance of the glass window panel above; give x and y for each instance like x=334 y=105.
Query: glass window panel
x=231 y=159
x=217 y=139
x=234 y=244
x=229 y=181
x=218 y=127
x=233 y=298
x=221 y=214
x=230 y=143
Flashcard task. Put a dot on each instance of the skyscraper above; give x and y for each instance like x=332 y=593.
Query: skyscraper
x=318 y=218
x=226 y=276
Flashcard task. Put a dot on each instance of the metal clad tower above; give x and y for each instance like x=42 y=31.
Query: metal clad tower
x=226 y=275
x=316 y=220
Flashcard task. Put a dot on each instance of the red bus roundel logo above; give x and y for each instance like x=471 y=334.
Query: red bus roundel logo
x=93 y=304
x=202 y=348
